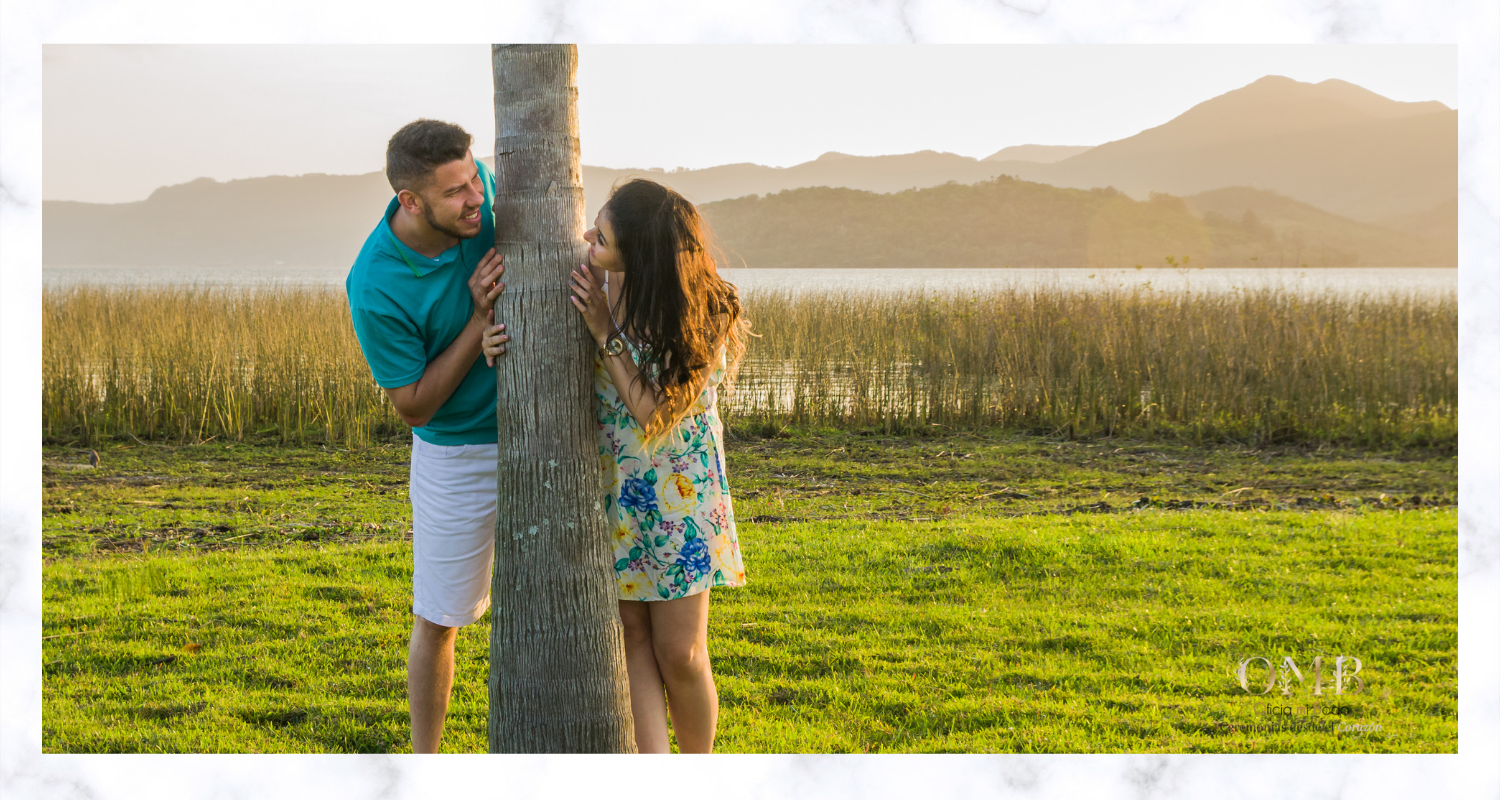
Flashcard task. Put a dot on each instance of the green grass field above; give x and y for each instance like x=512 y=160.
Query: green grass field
x=955 y=593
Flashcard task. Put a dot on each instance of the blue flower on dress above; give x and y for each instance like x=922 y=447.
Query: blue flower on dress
x=638 y=494
x=694 y=557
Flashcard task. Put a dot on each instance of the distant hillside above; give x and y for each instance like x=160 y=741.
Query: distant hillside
x=312 y=220
x=308 y=220
x=1333 y=145
x=868 y=173
x=321 y=220
x=1040 y=153
x=1332 y=148
x=1009 y=222
x=1438 y=224
x=1293 y=223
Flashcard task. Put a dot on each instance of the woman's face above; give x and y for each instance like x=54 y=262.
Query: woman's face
x=603 y=252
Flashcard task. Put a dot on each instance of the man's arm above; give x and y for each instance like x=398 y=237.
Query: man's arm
x=417 y=402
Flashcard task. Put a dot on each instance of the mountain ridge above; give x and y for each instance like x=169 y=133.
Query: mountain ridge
x=1010 y=222
x=1334 y=146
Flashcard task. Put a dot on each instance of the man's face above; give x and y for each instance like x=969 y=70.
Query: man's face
x=452 y=198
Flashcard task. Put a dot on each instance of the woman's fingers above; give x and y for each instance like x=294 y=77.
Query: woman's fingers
x=494 y=342
x=585 y=289
x=588 y=300
x=584 y=294
x=484 y=341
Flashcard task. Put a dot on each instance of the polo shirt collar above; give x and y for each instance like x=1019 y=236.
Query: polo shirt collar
x=420 y=265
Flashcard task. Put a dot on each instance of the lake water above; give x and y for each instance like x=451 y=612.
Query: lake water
x=1345 y=281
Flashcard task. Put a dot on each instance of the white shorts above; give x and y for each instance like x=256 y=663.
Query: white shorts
x=453 y=530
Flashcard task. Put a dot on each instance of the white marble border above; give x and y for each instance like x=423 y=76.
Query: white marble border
x=1472 y=24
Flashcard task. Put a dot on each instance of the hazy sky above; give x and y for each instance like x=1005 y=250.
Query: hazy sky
x=121 y=120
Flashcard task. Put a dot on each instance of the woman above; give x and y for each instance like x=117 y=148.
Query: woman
x=670 y=333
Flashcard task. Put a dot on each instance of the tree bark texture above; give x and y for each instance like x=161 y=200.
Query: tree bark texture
x=557 y=662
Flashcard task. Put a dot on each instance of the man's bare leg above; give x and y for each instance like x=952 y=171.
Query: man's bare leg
x=647 y=703
x=429 y=681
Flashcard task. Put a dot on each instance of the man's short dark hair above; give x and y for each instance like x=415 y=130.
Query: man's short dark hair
x=421 y=147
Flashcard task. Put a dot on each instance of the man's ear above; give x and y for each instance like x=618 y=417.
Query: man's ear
x=410 y=201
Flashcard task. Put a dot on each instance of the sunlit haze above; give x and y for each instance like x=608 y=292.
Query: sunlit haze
x=120 y=121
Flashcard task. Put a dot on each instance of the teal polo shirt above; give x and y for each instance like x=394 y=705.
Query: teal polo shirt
x=408 y=308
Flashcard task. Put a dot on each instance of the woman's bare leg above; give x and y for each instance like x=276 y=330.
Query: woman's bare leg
x=679 y=637
x=646 y=702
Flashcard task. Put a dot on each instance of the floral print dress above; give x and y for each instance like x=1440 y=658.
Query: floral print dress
x=668 y=508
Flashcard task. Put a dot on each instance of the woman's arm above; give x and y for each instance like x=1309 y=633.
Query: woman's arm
x=645 y=402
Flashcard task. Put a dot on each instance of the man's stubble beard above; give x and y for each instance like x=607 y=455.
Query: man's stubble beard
x=454 y=232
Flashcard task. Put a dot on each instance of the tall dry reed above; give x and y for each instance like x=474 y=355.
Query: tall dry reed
x=189 y=363
x=1267 y=366
x=192 y=363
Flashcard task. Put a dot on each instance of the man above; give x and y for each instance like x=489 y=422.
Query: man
x=421 y=293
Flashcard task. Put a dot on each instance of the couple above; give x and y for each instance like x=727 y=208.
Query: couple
x=669 y=330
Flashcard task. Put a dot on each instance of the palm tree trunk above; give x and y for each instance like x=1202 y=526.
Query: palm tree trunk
x=557 y=661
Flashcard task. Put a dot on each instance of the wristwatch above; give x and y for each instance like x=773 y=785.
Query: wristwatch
x=613 y=347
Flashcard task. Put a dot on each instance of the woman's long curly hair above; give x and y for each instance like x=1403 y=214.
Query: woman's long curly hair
x=676 y=305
